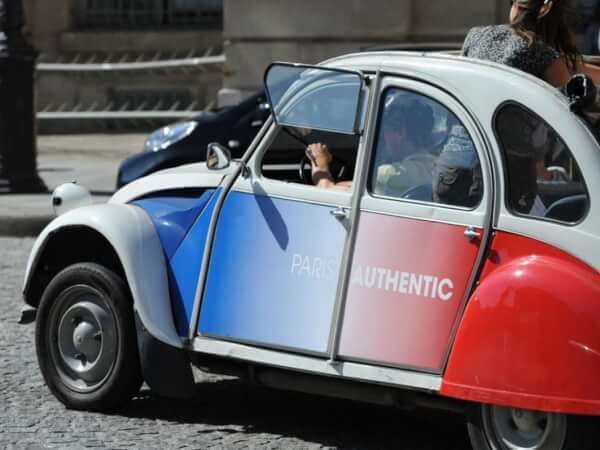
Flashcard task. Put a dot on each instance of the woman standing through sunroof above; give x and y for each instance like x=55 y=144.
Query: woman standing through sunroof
x=538 y=40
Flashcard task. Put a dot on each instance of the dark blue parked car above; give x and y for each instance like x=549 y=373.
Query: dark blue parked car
x=185 y=142
x=234 y=127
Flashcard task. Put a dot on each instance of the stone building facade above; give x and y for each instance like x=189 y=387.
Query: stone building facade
x=123 y=30
x=252 y=33
x=257 y=32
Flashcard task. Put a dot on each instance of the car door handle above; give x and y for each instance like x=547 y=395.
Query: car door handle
x=472 y=234
x=340 y=213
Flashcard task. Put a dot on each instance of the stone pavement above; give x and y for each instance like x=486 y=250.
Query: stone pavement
x=91 y=160
x=222 y=413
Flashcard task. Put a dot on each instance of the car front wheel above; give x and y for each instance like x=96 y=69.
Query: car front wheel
x=85 y=339
x=493 y=427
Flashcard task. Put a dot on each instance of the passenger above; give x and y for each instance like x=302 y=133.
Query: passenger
x=457 y=178
x=525 y=141
x=403 y=159
x=538 y=40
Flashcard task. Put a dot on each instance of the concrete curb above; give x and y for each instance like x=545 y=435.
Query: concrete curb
x=24 y=215
x=92 y=160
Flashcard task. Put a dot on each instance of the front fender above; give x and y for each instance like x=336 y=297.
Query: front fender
x=530 y=336
x=133 y=237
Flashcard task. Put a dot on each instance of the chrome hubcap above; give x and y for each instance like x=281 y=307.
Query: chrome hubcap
x=520 y=429
x=85 y=338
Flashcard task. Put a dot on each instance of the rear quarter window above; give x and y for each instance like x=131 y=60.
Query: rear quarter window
x=543 y=179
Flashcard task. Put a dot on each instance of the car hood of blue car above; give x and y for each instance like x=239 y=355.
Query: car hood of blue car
x=189 y=176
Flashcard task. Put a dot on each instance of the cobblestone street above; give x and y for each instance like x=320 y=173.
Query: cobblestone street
x=223 y=413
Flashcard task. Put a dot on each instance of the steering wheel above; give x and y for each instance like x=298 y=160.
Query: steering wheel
x=337 y=167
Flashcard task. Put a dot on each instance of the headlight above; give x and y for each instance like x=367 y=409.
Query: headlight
x=69 y=196
x=167 y=136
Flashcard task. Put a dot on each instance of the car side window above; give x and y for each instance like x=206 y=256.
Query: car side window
x=285 y=158
x=423 y=152
x=542 y=177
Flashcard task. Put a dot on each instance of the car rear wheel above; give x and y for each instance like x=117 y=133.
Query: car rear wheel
x=493 y=427
x=85 y=339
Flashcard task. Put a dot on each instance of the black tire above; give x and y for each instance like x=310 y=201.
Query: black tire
x=86 y=341
x=552 y=432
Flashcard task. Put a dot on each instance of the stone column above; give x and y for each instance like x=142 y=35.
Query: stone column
x=18 y=164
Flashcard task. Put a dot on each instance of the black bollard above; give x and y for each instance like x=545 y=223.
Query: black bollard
x=18 y=152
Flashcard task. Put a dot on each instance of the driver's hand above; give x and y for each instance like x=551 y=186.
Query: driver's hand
x=320 y=156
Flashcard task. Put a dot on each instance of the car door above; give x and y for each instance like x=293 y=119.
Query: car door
x=277 y=251
x=423 y=219
x=275 y=264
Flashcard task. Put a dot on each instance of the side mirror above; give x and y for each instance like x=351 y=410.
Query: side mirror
x=582 y=93
x=217 y=156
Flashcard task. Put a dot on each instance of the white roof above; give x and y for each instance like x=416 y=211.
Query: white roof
x=481 y=87
x=464 y=75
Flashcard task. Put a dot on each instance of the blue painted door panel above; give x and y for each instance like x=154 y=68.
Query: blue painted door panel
x=273 y=274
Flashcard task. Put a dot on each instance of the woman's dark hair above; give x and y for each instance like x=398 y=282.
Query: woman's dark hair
x=552 y=28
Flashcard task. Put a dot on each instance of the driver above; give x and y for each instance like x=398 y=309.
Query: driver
x=320 y=158
x=403 y=158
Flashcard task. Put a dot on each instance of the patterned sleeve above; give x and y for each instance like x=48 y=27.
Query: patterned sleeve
x=472 y=36
x=542 y=57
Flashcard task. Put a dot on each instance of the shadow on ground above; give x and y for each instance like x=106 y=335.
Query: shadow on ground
x=234 y=406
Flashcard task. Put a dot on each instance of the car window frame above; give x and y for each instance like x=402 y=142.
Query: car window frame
x=290 y=190
x=358 y=126
x=462 y=113
x=312 y=193
x=504 y=174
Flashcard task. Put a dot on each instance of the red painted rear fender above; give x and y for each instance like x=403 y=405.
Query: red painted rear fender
x=530 y=336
